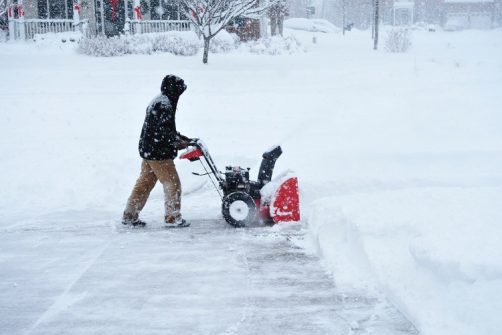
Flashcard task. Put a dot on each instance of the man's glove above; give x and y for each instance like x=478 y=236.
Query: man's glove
x=183 y=137
x=180 y=144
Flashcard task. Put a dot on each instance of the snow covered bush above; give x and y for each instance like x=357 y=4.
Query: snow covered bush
x=398 y=40
x=224 y=42
x=139 y=44
x=178 y=43
x=275 y=45
x=101 y=46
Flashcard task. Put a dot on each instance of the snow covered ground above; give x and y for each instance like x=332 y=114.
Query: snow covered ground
x=400 y=166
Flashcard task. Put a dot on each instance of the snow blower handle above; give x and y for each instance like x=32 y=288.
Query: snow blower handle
x=193 y=141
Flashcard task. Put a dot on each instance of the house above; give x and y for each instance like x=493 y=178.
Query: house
x=107 y=17
x=93 y=17
x=451 y=14
x=403 y=12
x=474 y=14
x=469 y=14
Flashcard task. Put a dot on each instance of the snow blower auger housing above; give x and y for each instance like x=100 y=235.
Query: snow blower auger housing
x=244 y=200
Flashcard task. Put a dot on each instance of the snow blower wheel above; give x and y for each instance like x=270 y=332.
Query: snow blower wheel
x=238 y=209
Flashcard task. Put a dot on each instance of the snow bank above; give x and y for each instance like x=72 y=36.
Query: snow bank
x=436 y=252
x=55 y=38
x=62 y=41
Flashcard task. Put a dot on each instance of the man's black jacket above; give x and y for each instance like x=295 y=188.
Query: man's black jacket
x=159 y=137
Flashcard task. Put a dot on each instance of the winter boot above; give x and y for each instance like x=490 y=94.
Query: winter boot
x=178 y=223
x=134 y=223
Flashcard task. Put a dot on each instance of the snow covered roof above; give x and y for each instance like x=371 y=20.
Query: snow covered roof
x=468 y=1
x=404 y=4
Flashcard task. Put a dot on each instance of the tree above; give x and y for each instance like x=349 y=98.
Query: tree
x=376 y=26
x=211 y=16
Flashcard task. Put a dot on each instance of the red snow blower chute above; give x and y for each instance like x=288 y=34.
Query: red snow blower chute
x=244 y=200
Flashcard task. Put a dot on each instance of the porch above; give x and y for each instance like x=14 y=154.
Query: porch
x=95 y=17
x=26 y=29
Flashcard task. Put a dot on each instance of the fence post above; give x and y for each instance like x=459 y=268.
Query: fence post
x=138 y=16
x=85 y=28
x=20 y=14
x=10 y=15
x=76 y=15
x=127 y=26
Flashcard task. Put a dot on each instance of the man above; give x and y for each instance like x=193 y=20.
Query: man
x=158 y=146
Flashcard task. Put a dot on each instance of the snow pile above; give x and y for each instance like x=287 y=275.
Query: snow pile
x=275 y=45
x=177 y=43
x=313 y=25
x=435 y=252
x=58 y=40
x=224 y=42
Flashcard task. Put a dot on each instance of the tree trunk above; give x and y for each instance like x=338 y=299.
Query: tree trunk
x=344 y=16
x=206 y=50
x=372 y=19
x=377 y=18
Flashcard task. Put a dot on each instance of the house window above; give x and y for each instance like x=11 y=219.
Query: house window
x=55 y=9
x=165 y=10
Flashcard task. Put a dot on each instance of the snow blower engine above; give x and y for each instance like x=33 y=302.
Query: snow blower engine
x=244 y=200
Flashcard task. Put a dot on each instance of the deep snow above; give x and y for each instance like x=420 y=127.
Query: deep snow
x=398 y=156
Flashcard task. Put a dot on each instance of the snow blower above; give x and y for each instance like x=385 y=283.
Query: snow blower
x=243 y=200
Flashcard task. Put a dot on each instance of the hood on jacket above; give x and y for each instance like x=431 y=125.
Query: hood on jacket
x=173 y=86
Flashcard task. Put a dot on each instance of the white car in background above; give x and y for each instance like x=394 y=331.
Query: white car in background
x=319 y=25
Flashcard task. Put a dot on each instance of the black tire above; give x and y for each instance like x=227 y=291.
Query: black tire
x=238 y=209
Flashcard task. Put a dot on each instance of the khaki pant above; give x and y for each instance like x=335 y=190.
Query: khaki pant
x=151 y=171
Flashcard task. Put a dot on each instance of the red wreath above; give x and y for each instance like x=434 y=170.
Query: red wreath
x=10 y=11
x=139 y=16
x=20 y=10
x=114 y=4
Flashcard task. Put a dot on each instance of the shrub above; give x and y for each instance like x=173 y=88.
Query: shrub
x=139 y=44
x=101 y=46
x=398 y=40
x=223 y=42
x=178 y=43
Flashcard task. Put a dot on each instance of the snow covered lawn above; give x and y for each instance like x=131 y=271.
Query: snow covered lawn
x=399 y=158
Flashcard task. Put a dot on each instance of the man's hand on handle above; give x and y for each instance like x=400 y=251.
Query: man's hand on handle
x=182 y=142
